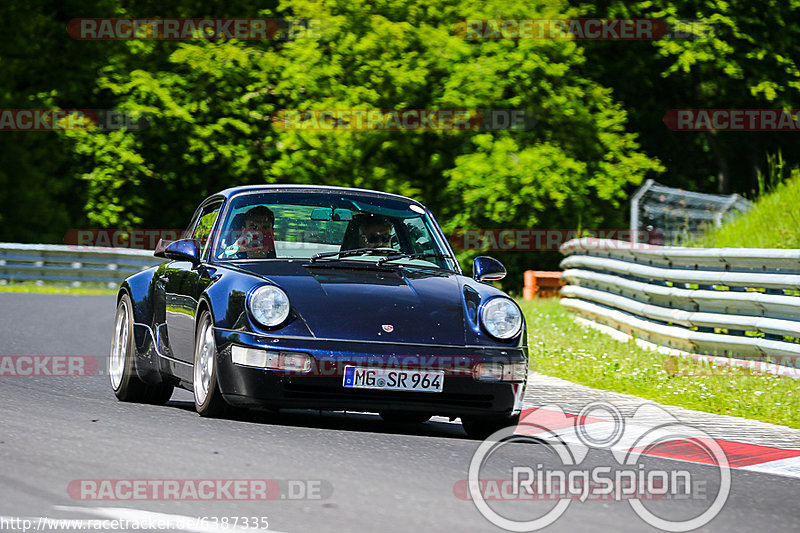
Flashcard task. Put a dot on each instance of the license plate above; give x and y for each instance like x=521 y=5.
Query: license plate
x=388 y=379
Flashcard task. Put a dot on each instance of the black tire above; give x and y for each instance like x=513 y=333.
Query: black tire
x=125 y=383
x=399 y=417
x=208 y=400
x=160 y=394
x=481 y=427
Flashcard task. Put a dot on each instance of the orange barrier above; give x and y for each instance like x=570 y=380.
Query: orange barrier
x=541 y=284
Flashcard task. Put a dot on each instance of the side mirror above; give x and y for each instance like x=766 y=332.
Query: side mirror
x=161 y=247
x=487 y=269
x=184 y=250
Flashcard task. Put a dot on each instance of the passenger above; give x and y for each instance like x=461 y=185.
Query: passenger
x=375 y=232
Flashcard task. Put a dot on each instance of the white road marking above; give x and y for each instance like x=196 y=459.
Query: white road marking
x=789 y=467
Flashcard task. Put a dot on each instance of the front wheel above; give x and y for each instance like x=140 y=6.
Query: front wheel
x=121 y=365
x=208 y=400
x=481 y=427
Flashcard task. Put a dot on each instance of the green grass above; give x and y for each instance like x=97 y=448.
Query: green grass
x=31 y=287
x=774 y=221
x=563 y=348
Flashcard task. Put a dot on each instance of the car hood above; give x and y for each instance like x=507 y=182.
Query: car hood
x=341 y=300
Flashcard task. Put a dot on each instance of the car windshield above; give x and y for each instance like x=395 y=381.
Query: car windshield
x=302 y=225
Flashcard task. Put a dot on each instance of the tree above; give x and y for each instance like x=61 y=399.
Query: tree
x=44 y=69
x=744 y=56
x=211 y=107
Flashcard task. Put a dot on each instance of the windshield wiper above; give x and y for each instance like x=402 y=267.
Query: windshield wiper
x=354 y=251
x=396 y=256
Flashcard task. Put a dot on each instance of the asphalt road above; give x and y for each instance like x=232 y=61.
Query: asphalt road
x=364 y=474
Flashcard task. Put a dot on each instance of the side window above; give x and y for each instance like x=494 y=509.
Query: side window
x=205 y=221
x=187 y=233
x=419 y=235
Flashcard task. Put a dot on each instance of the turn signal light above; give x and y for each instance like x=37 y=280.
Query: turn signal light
x=500 y=371
x=288 y=361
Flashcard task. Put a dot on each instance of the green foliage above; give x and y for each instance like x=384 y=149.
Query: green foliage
x=774 y=221
x=210 y=107
x=57 y=288
x=599 y=109
x=744 y=56
x=43 y=68
x=204 y=225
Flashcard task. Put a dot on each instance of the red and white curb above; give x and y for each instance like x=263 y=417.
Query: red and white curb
x=553 y=424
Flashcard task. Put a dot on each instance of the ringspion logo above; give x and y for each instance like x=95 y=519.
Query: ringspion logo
x=529 y=483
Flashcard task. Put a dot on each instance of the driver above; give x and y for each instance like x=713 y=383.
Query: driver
x=257 y=238
x=375 y=232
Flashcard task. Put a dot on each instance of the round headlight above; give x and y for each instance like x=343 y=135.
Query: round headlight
x=269 y=305
x=501 y=318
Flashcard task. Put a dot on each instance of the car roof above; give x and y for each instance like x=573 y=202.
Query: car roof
x=227 y=193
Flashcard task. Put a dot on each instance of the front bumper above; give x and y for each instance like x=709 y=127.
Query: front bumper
x=321 y=388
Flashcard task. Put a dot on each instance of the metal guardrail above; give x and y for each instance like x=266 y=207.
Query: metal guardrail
x=740 y=303
x=76 y=265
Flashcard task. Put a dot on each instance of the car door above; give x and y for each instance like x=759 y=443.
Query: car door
x=184 y=283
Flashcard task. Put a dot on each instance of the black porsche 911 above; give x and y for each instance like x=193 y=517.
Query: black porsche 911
x=321 y=298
